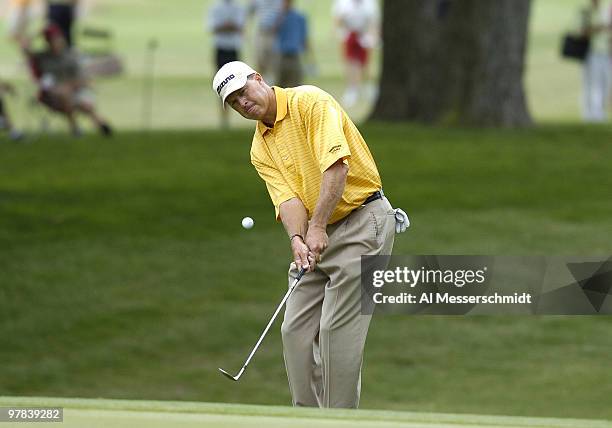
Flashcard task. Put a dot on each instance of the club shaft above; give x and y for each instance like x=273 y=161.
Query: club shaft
x=280 y=306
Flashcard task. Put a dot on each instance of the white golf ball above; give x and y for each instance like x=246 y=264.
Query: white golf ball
x=247 y=222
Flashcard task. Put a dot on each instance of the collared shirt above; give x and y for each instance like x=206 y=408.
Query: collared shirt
x=310 y=134
x=292 y=33
x=222 y=12
x=357 y=16
x=63 y=67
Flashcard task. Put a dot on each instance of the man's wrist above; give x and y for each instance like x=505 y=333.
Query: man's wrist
x=296 y=235
x=314 y=225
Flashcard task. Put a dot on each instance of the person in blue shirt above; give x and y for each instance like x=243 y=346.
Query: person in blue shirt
x=291 y=43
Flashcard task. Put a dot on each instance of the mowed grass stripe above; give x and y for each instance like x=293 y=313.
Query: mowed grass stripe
x=135 y=413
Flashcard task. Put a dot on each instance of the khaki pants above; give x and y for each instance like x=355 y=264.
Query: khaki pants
x=290 y=71
x=266 y=55
x=323 y=331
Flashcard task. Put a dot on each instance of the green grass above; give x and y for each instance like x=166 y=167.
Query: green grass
x=125 y=272
x=123 y=413
x=183 y=65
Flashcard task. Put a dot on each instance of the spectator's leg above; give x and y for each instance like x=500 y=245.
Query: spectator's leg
x=6 y=124
x=354 y=54
x=369 y=87
x=90 y=111
x=17 y=21
x=62 y=15
x=606 y=81
x=267 y=57
x=588 y=88
x=223 y=56
x=59 y=99
x=83 y=101
x=351 y=95
x=283 y=80
x=5 y=121
x=599 y=95
x=296 y=72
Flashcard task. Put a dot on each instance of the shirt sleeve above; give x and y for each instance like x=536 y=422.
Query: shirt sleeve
x=325 y=134
x=278 y=189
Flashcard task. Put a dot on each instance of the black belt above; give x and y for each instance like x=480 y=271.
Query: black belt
x=373 y=197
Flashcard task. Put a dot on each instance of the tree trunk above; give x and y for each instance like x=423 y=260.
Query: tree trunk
x=454 y=61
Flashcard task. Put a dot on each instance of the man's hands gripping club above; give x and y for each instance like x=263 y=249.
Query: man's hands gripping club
x=302 y=256
x=309 y=239
x=295 y=219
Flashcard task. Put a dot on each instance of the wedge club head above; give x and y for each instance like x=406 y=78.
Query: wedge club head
x=246 y=363
x=234 y=378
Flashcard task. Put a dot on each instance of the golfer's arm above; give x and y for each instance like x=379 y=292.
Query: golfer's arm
x=294 y=217
x=332 y=187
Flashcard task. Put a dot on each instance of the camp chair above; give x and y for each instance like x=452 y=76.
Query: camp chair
x=97 y=53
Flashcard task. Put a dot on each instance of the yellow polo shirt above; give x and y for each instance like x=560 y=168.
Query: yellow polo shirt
x=311 y=133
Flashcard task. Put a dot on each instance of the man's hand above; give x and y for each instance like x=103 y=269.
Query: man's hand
x=316 y=240
x=302 y=256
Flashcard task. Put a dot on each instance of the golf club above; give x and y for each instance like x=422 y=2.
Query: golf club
x=246 y=363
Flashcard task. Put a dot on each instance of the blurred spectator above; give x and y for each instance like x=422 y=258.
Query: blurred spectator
x=226 y=20
x=62 y=84
x=597 y=25
x=267 y=12
x=358 y=22
x=18 y=17
x=292 y=42
x=5 y=120
x=62 y=13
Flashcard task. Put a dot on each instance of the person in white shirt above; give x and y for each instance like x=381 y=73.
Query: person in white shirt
x=597 y=70
x=358 y=22
x=226 y=20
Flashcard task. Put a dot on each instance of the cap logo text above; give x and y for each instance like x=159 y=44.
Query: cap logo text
x=222 y=84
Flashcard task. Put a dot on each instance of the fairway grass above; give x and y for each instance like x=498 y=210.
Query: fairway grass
x=125 y=272
x=157 y=414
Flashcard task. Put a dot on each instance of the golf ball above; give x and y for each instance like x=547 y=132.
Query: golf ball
x=247 y=222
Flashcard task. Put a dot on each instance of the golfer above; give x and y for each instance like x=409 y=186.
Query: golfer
x=326 y=190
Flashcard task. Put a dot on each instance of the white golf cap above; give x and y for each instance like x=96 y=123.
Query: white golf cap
x=231 y=77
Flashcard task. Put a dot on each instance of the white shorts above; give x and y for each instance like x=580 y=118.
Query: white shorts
x=84 y=96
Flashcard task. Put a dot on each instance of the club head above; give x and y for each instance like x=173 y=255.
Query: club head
x=234 y=378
